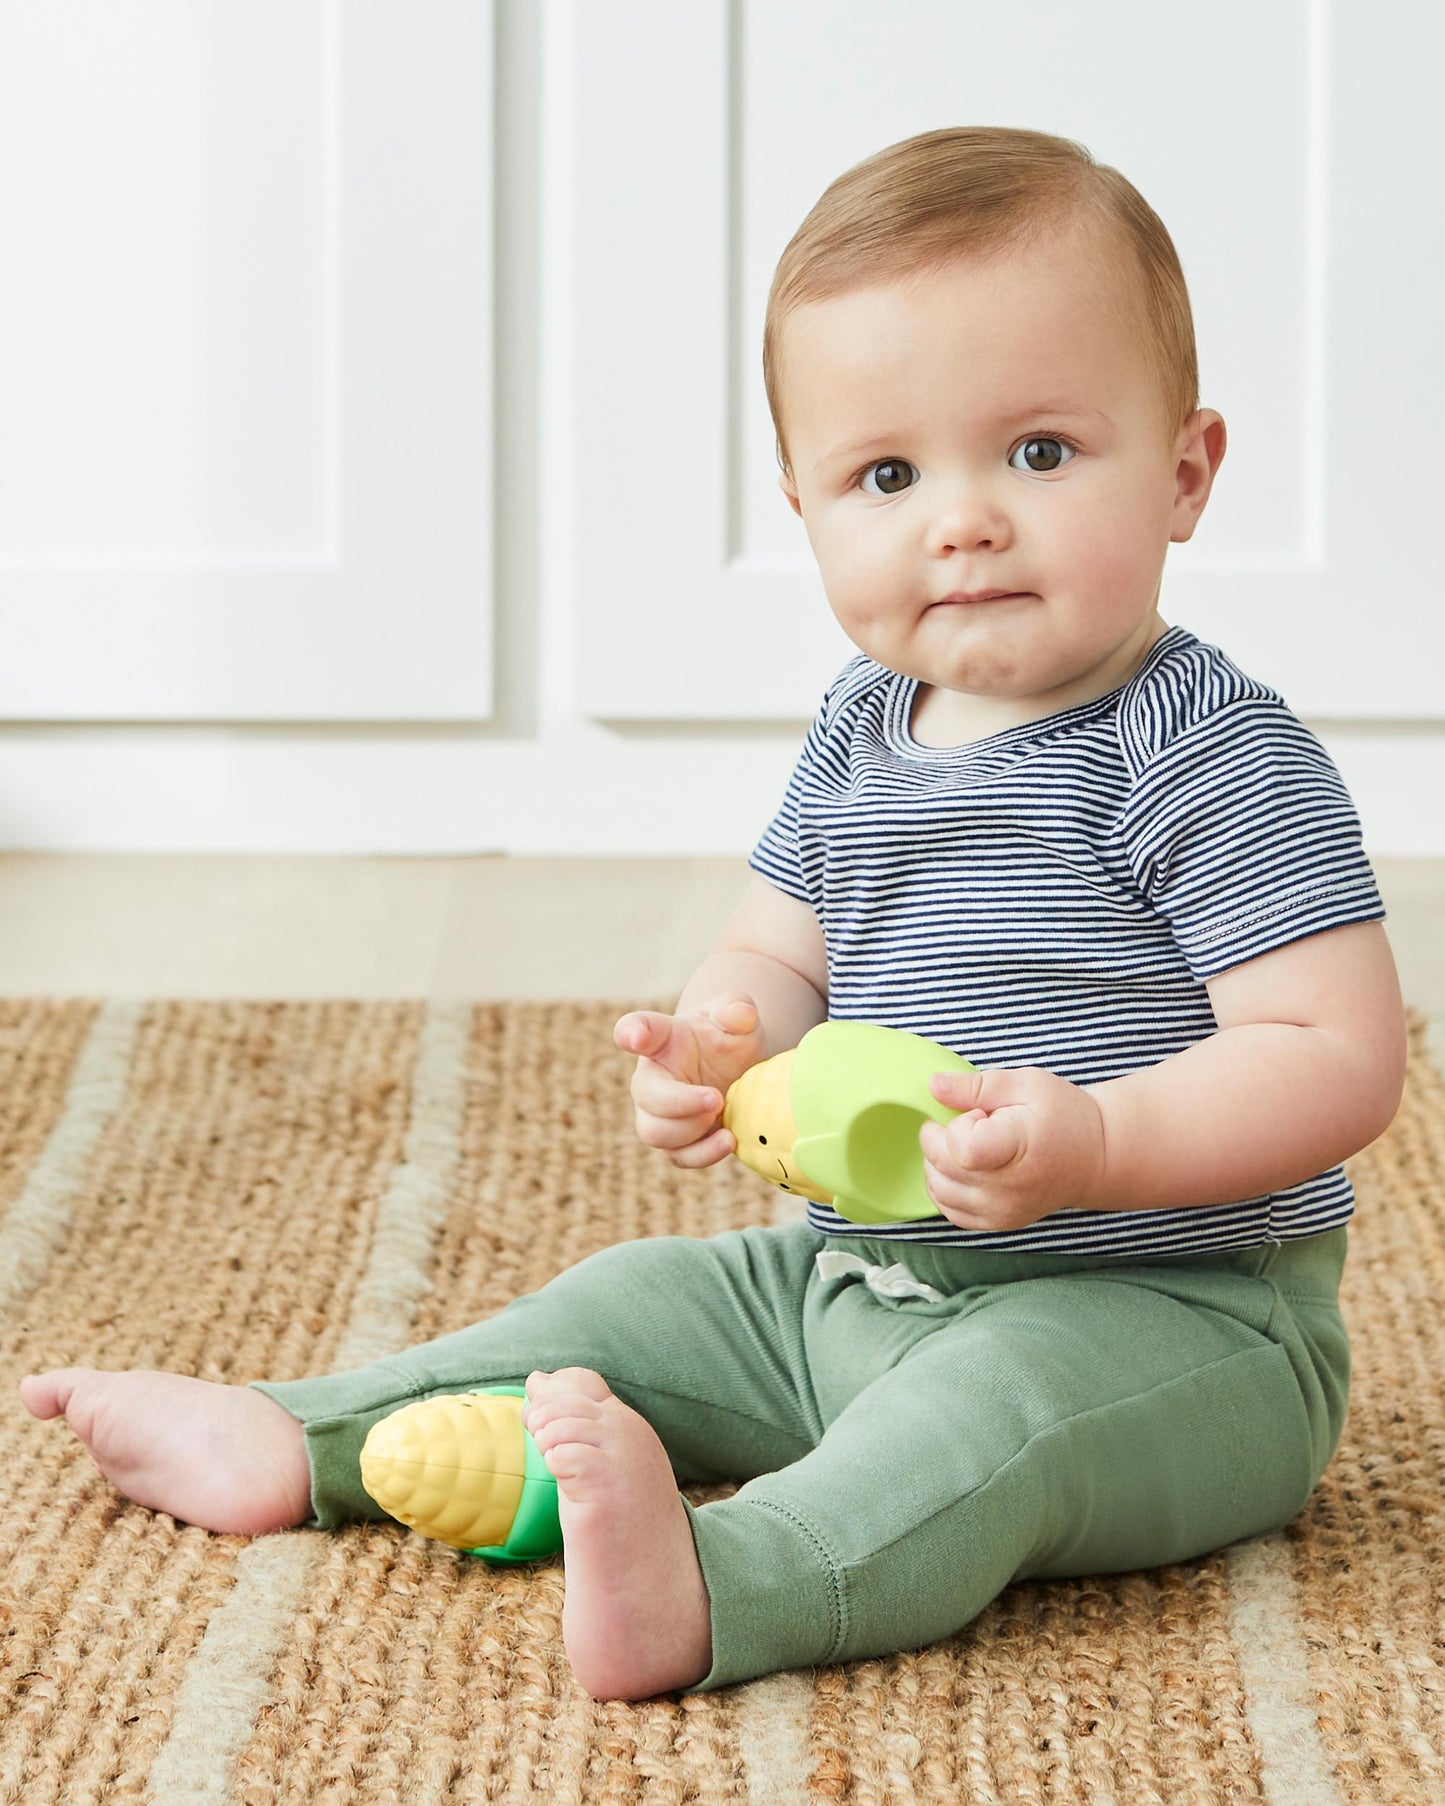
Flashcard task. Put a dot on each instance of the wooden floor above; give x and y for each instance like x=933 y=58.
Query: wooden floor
x=496 y=928
x=153 y=925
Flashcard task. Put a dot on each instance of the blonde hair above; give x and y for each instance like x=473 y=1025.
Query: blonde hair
x=981 y=191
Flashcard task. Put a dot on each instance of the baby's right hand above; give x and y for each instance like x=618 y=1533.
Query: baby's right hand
x=684 y=1067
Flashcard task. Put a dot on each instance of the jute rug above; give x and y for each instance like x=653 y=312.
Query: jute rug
x=246 y=1189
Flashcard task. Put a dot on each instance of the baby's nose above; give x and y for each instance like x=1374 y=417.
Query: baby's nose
x=968 y=518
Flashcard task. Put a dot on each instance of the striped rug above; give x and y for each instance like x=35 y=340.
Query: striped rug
x=245 y=1189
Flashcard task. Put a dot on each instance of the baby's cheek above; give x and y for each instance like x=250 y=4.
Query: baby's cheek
x=854 y=567
x=850 y=585
x=1111 y=553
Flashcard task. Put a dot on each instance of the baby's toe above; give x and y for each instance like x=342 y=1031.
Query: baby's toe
x=573 y=1458
x=565 y=1420
x=567 y=1379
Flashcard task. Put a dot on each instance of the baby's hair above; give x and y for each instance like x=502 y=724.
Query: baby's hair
x=981 y=191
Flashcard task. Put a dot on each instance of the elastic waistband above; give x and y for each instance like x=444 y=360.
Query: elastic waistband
x=1307 y=1268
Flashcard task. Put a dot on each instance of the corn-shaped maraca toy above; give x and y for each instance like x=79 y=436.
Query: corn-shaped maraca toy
x=464 y=1469
x=836 y=1118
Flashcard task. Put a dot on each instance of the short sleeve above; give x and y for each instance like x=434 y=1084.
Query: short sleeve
x=1240 y=831
x=778 y=853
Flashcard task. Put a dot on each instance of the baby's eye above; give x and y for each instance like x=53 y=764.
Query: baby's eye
x=1040 y=454
x=890 y=477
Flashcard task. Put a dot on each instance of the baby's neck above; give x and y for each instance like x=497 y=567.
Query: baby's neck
x=947 y=718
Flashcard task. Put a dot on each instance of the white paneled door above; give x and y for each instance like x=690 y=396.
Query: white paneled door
x=1292 y=151
x=245 y=360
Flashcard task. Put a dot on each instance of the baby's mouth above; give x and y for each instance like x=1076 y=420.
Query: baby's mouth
x=960 y=601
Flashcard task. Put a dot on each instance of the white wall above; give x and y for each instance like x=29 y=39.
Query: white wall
x=540 y=773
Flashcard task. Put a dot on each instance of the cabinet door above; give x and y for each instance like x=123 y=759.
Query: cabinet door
x=245 y=359
x=1291 y=150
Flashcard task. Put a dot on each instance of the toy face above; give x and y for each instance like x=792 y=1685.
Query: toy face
x=758 y=1109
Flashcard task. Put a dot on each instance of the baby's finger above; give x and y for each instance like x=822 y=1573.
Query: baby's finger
x=655 y=1090
x=958 y=1196
x=658 y=1093
x=983 y=1144
x=706 y=1152
x=734 y=1015
x=642 y=1032
x=669 y=1133
x=944 y=1145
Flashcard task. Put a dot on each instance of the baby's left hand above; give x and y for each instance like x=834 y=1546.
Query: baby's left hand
x=1027 y=1143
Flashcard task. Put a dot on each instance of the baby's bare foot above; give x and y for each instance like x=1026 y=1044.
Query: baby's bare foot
x=223 y=1457
x=635 y=1614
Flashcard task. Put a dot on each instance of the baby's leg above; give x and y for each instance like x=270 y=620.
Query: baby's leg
x=702 y=1337
x=655 y=1361
x=706 y=1378
x=1062 y=1426
x=635 y=1617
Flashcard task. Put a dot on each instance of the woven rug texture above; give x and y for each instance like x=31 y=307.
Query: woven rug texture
x=238 y=1190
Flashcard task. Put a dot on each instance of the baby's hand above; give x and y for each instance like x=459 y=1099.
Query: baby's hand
x=1027 y=1143
x=685 y=1065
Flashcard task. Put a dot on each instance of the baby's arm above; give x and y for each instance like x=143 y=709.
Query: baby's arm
x=1307 y=1068
x=759 y=991
x=771 y=950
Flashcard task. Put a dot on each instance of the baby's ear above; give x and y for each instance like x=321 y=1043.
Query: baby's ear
x=789 y=489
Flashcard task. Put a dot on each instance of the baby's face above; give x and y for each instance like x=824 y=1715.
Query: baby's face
x=990 y=428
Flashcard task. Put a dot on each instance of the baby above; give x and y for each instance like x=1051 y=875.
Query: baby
x=1031 y=821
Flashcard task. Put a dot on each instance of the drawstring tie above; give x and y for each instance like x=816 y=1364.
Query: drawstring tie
x=884 y=1282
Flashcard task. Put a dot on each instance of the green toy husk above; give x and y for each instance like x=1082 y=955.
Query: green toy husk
x=859 y=1095
x=536 y=1528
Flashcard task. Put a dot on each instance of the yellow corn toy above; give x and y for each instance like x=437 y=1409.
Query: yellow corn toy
x=836 y=1118
x=464 y=1470
x=759 y=1111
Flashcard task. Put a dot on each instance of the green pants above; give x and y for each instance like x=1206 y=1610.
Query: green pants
x=907 y=1458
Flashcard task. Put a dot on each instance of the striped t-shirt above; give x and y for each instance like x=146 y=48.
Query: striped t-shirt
x=1056 y=894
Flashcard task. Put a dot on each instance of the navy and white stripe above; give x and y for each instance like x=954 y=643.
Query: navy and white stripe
x=1056 y=894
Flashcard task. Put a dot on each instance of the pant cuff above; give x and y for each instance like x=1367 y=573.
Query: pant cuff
x=336 y=1411
x=775 y=1589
